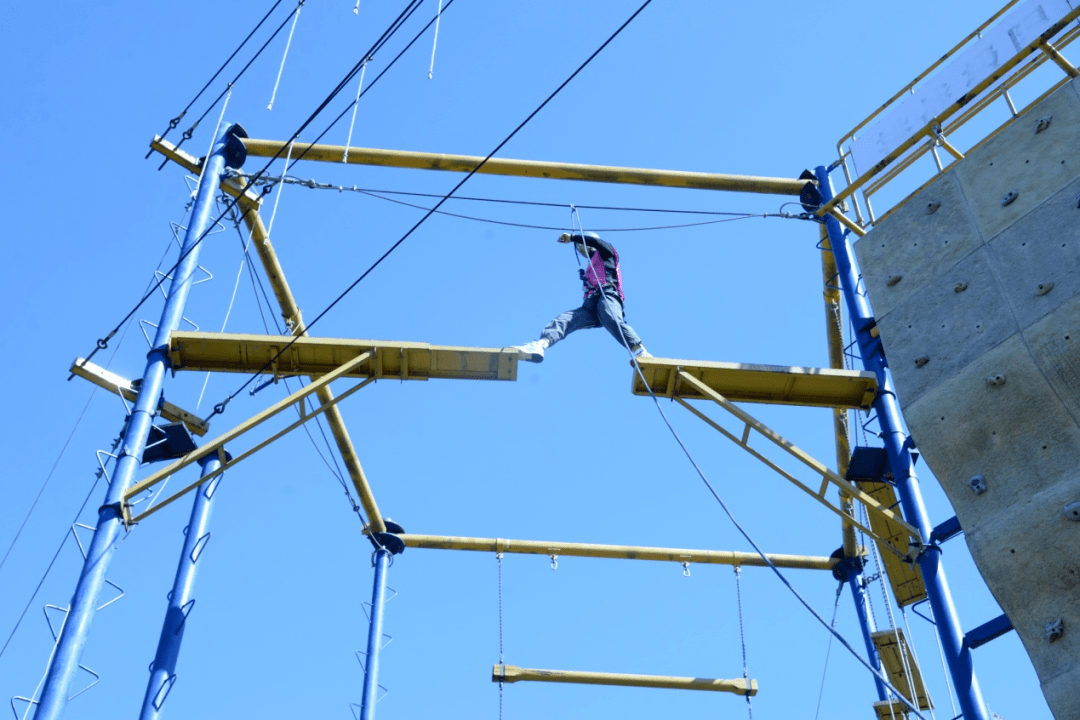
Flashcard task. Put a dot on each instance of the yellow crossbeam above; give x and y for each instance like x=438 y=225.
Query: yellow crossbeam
x=513 y=673
x=125 y=389
x=217 y=445
x=527 y=168
x=819 y=468
x=229 y=352
x=740 y=382
x=626 y=552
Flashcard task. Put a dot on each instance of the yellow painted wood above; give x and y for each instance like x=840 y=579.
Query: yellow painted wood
x=228 y=352
x=891 y=709
x=740 y=382
x=513 y=673
x=899 y=662
x=626 y=552
x=527 y=168
x=123 y=387
x=906 y=579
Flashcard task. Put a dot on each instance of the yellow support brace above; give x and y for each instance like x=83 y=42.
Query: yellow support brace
x=899 y=662
x=626 y=552
x=906 y=580
x=229 y=352
x=513 y=673
x=527 y=168
x=123 y=387
x=741 y=382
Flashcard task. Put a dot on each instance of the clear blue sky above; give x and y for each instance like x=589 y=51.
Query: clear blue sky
x=564 y=454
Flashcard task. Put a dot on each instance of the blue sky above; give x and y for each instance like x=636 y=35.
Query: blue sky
x=564 y=454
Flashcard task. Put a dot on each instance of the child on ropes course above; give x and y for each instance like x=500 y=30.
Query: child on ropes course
x=603 y=304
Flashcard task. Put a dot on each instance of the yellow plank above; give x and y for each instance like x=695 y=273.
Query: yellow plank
x=891 y=709
x=899 y=662
x=741 y=382
x=906 y=580
x=513 y=673
x=230 y=352
x=124 y=388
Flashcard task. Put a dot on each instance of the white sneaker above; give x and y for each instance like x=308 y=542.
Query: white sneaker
x=640 y=352
x=531 y=352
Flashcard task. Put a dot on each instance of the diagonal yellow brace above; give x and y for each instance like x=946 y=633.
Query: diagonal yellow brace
x=230 y=435
x=872 y=505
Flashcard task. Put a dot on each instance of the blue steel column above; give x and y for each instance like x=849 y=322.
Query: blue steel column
x=866 y=622
x=163 y=671
x=69 y=648
x=375 y=633
x=898 y=446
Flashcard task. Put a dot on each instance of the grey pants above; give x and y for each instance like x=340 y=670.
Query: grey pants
x=602 y=309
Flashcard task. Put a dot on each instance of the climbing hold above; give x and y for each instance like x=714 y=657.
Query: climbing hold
x=921 y=360
x=1055 y=629
x=978 y=484
x=932 y=207
x=1044 y=288
x=1072 y=511
x=893 y=279
x=1008 y=199
x=1044 y=122
x=995 y=380
x=960 y=287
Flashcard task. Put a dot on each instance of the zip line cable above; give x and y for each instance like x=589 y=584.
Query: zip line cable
x=746 y=535
x=175 y=122
x=220 y=407
x=103 y=343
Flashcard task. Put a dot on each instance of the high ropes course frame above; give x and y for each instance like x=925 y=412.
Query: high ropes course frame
x=878 y=479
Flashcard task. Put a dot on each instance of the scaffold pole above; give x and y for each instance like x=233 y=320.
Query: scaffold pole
x=381 y=560
x=84 y=602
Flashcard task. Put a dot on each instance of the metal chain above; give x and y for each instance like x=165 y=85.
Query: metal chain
x=502 y=659
x=742 y=636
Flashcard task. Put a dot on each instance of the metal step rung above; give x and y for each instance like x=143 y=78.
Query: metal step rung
x=899 y=662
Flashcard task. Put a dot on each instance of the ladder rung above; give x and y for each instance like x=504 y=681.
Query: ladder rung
x=513 y=673
x=896 y=656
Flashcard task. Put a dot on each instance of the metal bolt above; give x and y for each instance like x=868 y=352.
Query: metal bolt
x=932 y=207
x=921 y=360
x=1044 y=122
x=1055 y=629
x=960 y=287
x=1008 y=199
x=1044 y=288
x=978 y=484
x=1072 y=511
x=995 y=380
x=893 y=279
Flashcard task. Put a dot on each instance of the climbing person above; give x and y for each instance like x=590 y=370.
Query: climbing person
x=603 y=304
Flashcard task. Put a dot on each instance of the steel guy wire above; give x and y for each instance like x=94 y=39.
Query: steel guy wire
x=828 y=650
x=288 y=44
x=103 y=343
x=175 y=122
x=432 y=211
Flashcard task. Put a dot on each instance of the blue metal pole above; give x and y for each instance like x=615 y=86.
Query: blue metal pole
x=72 y=640
x=375 y=633
x=898 y=445
x=181 y=603
x=866 y=622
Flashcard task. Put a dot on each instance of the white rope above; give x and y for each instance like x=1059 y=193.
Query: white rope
x=288 y=43
x=941 y=656
x=435 y=42
x=356 y=104
x=356 y=8
x=828 y=650
x=281 y=187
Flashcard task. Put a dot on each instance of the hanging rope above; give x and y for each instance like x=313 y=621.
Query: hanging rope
x=288 y=44
x=742 y=636
x=502 y=658
x=356 y=104
x=435 y=42
x=828 y=649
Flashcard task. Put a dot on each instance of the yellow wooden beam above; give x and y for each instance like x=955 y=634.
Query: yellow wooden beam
x=740 y=382
x=513 y=673
x=626 y=552
x=527 y=168
x=232 y=352
x=899 y=662
x=124 y=388
x=905 y=578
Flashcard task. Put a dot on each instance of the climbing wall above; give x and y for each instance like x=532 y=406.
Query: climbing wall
x=975 y=283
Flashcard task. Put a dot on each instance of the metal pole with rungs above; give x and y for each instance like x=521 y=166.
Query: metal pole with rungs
x=898 y=446
x=381 y=559
x=181 y=602
x=84 y=603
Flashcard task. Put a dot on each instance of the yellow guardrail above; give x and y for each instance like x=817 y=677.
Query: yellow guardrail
x=936 y=132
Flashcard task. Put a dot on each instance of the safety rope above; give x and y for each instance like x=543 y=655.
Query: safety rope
x=288 y=44
x=742 y=637
x=435 y=42
x=828 y=650
x=355 y=107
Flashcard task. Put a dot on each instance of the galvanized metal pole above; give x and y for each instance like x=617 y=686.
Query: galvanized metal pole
x=375 y=632
x=72 y=640
x=181 y=602
x=898 y=446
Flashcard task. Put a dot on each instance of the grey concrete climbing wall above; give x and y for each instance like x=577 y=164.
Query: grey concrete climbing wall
x=975 y=283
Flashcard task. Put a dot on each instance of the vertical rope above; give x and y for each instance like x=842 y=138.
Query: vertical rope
x=502 y=658
x=288 y=43
x=742 y=636
x=435 y=42
x=284 y=171
x=828 y=650
x=356 y=104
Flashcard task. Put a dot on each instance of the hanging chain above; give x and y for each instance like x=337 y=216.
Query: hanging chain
x=502 y=658
x=742 y=636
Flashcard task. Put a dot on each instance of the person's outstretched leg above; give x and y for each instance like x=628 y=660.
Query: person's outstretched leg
x=610 y=312
x=566 y=323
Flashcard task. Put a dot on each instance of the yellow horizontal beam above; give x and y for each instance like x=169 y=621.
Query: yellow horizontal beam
x=230 y=352
x=124 y=388
x=528 y=168
x=625 y=552
x=906 y=579
x=513 y=673
x=738 y=382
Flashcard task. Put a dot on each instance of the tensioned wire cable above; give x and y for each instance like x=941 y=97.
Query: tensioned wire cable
x=221 y=406
x=103 y=343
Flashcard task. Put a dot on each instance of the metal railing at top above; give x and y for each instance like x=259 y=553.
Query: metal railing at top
x=949 y=94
